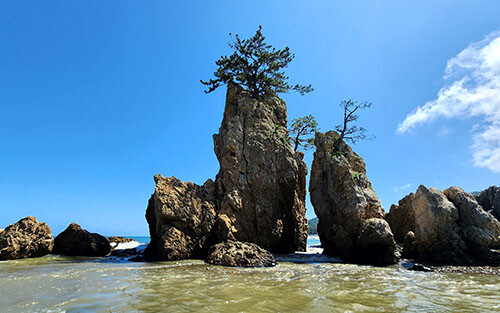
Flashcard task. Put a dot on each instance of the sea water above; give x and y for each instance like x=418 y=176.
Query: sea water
x=299 y=283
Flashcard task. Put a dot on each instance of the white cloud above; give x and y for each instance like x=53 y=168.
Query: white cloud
x=401 y=188
x=473 y=91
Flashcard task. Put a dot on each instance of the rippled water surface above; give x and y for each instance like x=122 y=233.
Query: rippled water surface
x=58 y=284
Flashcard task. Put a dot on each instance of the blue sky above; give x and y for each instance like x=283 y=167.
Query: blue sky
x=97 y=96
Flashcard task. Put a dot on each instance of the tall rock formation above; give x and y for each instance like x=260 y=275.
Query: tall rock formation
x=27 y=238
x=261 y=185
x=350 y=216
x=259 y=192
x=448 y=227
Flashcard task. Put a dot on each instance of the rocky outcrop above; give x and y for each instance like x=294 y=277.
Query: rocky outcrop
x=489 y=199
x=261 y=185
x=409 y=246
x=27 y=238
x=75 y=241
x=258 y=196
x=181 y=218
x=118 y=239
x=401 y=218
x=240 y=254
x=349 y=212
x=450 y=227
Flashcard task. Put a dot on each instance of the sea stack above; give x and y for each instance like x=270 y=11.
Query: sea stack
x=258 y=195
x=261 y=185
x=350 y=216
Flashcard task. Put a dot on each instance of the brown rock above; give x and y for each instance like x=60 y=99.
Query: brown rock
x=118 y=239
x=489 y=199
x=261 y=182
x=376 y=245
x=410 y=246
x=181 y=217
x=344 y=200
x=27 y=238
x=240 y=254
x=75 y=241
x=401 y=218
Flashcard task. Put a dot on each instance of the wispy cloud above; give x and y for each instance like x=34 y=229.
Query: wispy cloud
x=401 y=188
x=473 y=91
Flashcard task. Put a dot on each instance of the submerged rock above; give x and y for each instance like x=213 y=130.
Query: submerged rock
x=75 y=241
x=489 y=199
x=181 y=217
x=451 y=228
x=350 y=216
x=240 y=254
x=261 y=185
x=420 y=268
x=27 y=238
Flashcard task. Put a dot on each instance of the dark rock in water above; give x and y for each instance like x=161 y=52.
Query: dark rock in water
x=401 y=218
x=410 y=246
x=489 y=199
x=75 y=241
x=344 y=201
x=27 y=238
x=118 y=239
x=261 y=185
x=376 y=245
x=181 y=217
x=420 y=268
x=240 y=254
x=451 y=228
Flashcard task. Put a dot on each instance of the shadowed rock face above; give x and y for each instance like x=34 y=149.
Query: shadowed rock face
x=401 y=217
x=240 y=254
x=75 y=241
x=262 y=180
x=449 y=227
x=27 y=238
x=181 y=217
x=344 y=201
x=489 y=199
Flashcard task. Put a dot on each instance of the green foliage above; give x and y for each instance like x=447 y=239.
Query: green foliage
x=356 y=175
x=301 y=130
x=338 y=154
x=255 y=65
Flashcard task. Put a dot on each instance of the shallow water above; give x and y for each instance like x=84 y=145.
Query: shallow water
x=59 y=284
x=299 y=283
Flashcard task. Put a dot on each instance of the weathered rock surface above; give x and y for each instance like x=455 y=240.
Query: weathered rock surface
x=27 y=238
x=450 y=227
x=240 y=254
x=376 y=245
x=344 y=201
x=489 y=199
x=261 y=185
x=181 y=217
x=401 y=217
x=75 y=241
